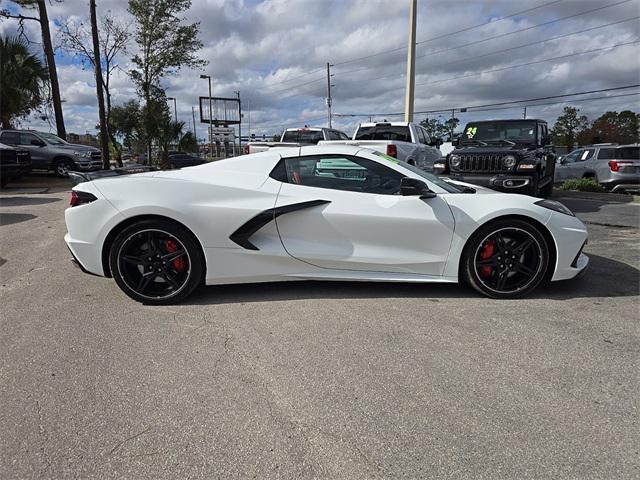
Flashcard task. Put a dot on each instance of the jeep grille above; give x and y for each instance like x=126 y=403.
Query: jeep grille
x=489 y=163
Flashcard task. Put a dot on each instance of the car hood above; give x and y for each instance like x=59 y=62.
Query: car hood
x=77 y=148
x=475 y=150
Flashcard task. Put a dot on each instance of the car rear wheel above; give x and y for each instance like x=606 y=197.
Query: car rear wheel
x=505 y=259
x=62 y=167
x=156 y=262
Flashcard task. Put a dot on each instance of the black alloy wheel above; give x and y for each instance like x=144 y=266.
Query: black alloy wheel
x=506 y=259
x=156 y=262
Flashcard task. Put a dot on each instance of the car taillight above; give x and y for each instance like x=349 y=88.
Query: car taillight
x=615 y=166
x=246 y=149
x=392 y=151
x=81 y=198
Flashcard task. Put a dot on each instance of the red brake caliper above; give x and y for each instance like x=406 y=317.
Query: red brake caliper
x=487 y=252
x=179 y=264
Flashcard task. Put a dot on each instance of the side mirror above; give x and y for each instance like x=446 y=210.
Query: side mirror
x=546 y=140
x=455 y=142
x=414 y=187
x=38 y=143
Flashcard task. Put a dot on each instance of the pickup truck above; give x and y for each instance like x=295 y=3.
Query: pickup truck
x=406 y=141
x=297 y=137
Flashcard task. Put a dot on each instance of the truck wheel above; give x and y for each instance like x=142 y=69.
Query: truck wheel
x=62 y=167
x=534 y=191
x=547 y=190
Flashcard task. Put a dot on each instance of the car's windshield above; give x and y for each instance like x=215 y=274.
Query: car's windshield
x=52 y=139
x=446 y=186
x=302 y=136
x=497 y=131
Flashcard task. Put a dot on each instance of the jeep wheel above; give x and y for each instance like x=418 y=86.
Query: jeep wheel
x=547 y=190
x=62 y=167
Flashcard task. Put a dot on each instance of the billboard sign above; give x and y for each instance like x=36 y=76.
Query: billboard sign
x=224 y=111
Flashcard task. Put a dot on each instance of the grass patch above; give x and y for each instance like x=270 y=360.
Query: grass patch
x=583 y=185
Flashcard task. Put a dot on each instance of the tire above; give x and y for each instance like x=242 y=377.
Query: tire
x=146 y=263
x=62 y=167
x=547 y=190
x=486 y=260
x=534 y=191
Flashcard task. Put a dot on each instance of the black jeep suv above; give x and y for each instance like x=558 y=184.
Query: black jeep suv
x=506 y=155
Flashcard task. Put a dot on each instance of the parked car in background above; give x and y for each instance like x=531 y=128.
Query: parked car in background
x=406 y=141
x=297 y=137
x=508 y=155
x=14 y=163
x=50 y=152
x=616 y=167
x=180 y=160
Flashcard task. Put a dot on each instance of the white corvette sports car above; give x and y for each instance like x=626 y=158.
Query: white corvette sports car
x=317 y=212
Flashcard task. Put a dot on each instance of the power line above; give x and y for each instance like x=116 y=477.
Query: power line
x=294 y=78
x=527 y=63
x=448 y=109
x=450 y=33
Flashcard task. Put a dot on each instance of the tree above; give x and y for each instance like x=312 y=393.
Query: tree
x=124 y=122
x=43 y=19
x=113 y=37
x=188 y=143
x=169 y=133
x=104 y=137
x=165 y=46
x=568 y=126
x=22 y=81
x=612 y=127
x=436 y=128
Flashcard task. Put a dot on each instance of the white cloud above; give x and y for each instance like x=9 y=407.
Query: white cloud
x=261 y=48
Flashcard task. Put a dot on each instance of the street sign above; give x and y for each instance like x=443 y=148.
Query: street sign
x=223 y=134
x=223 y=112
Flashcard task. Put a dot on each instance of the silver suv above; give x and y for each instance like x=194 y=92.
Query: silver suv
x=616 y=167
x=49 y=152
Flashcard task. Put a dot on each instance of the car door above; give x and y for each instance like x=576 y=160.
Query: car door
x=565 y=169
x=39 y=158
x=345 y=212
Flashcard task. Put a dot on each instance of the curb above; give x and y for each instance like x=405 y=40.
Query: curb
x=601 y=196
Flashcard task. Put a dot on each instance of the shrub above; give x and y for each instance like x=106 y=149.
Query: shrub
x=583 y=185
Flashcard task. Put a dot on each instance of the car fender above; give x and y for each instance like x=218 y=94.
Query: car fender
x=471 y=211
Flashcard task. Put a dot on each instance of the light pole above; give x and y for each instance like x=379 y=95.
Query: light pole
x=237 y=92
x=175 y=108
x=210 y=116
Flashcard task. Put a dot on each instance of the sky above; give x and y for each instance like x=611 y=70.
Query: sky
x=469 y=52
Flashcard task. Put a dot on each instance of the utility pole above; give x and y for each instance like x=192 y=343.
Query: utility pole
x=104 y=136
x=193 y=114
x=329 y=92
x=249 y=120
x=524 y=113
x=411 y=63
x=240 y=120
x=210 y=117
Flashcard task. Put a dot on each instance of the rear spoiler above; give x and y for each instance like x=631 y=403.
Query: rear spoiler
x=80 y=177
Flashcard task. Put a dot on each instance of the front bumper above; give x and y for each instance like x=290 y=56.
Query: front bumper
x=89 y=166
x=503 y=182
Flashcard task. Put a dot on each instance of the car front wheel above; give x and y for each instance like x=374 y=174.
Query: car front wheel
x=156 y=262
x=62 y=167
x=505 y=259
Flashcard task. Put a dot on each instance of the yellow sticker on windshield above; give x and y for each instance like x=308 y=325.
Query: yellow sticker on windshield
x=471 y=131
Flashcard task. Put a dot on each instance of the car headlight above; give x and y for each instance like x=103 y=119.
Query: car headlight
x=509 y=161
x=82 y=154
x=454 y=161
x=555 y=206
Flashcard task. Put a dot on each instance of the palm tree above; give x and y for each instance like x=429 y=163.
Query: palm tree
x=169 y=132
x=23 y=78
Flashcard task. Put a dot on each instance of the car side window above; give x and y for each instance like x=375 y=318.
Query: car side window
x=332 y=135
x=572 y=157
x=421 y=138
x=586 y=155
x=10 y=138
x=343 y=136
x=427 y=138
x=606 y=153
x=340 y=172
x=540 y=133
x=27 y=138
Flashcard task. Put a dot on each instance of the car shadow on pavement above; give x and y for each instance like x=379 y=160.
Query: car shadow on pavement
x=11 y=218
x=604 y=278
x=23 y=201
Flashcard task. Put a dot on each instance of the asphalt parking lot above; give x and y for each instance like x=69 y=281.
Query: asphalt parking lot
x=316 y=380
